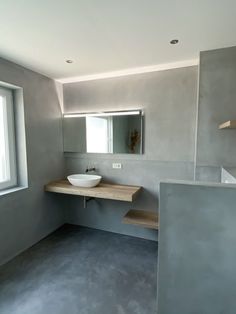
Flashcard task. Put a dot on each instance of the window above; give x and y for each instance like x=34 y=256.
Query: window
x=8 y=174
x=99 y=134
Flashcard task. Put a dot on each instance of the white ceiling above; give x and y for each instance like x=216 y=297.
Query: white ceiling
x=109 y=35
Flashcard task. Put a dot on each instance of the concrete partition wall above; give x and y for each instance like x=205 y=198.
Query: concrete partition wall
x=197 y=249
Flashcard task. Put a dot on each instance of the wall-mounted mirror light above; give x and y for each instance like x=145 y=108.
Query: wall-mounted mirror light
x=117 y=132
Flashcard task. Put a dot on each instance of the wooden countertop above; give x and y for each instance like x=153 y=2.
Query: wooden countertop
x=104 y=190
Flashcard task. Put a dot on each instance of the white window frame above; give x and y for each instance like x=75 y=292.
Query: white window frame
x=10 y=142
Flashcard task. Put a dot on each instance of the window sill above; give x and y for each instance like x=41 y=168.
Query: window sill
x=12 y=190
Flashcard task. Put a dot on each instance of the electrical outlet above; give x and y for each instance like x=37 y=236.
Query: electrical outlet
x=116 y=166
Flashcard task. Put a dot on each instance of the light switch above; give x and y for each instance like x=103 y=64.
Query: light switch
x=116 y=166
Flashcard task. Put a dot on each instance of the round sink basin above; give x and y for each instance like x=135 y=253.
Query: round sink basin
x=84 y=180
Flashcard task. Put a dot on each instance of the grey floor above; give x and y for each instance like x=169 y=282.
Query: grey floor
x=81 y=271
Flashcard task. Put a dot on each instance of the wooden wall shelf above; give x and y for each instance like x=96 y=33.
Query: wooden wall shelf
x=104 y=190
x=231 y=124
x=142 y=218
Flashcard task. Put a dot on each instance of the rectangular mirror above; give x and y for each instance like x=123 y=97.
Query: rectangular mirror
x=108 y=132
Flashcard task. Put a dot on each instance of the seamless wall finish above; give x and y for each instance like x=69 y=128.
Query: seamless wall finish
x=217 y=98
x=169 y=101
x=28 y=215
x=196 y=249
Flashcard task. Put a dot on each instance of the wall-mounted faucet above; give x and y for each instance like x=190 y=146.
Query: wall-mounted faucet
x=90 y=169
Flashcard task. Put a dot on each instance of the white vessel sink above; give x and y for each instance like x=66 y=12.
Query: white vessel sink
x=84 y=180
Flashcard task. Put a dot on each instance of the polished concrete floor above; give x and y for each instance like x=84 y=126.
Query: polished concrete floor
x=81 y=271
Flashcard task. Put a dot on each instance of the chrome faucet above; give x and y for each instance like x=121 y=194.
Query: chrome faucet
x=90 y=169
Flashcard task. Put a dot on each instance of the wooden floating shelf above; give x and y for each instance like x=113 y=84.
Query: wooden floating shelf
x=142 y=218
x=231 y=124
x=104 y=190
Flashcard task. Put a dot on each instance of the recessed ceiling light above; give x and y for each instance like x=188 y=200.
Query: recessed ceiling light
x=174 y=41
x=69 y=61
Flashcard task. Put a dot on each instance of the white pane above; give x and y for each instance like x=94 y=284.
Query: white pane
x=97 y=135
x=4 y=154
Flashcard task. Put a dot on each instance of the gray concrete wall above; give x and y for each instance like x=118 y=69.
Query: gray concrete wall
x=197 y=253
x=217 y=98
x=168 y=99
x=28 y=215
